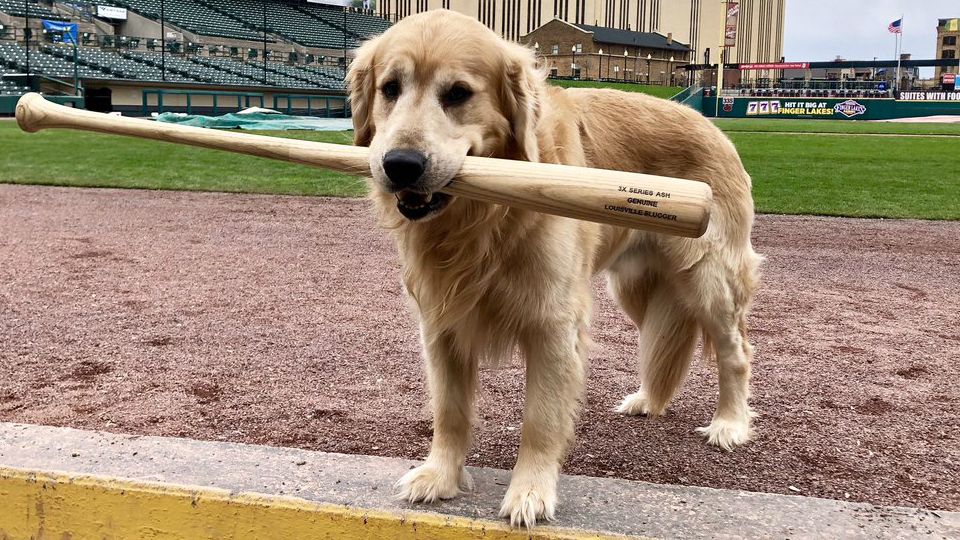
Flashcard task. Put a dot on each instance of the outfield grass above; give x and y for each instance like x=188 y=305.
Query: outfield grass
x=893 y=177
x=71 y=158
x=843 y=175
x=834 y=126
x=659 y=91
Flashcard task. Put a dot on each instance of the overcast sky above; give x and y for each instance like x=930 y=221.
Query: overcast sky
x=820 y=30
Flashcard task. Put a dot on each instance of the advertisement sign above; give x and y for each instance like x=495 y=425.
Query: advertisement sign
x=836 y=108
x=849 y=108
x=111 y=12
x=777 y=65
x=929 y=96
x=340 y=3
x=810 y=108
x=730 y=29
x=949 y=78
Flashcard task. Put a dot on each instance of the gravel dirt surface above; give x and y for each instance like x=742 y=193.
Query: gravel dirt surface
x=280 y=320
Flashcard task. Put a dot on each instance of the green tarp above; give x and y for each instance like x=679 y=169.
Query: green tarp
x=258 y=121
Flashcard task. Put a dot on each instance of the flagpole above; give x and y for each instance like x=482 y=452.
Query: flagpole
x=899 y=42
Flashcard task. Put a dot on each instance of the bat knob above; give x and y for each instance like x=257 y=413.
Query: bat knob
x=29 y=111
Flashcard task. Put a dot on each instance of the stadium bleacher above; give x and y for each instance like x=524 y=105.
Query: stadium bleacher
x=15 y=8
x=14 y=57
x=10 y=88
x=359 y=24
x=284 y=19
x=57 y=61
x=189 y=69
x=193 y=16
x=133 y=58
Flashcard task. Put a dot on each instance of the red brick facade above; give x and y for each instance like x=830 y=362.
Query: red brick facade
x=555 y=41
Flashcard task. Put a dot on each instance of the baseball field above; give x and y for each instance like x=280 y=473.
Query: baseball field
x=275 y=316
x=829 y=168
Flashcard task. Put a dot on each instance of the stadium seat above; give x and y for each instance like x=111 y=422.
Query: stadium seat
x=15 y=8
x=57 y=61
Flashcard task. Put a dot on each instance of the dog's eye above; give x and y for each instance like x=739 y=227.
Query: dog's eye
x=391 y=89
x=456 y=95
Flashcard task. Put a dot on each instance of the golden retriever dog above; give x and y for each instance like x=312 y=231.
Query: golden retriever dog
x=487 y=280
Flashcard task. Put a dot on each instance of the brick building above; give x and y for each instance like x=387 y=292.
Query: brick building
x=584 y=51
x=948 y=44
x=695 y=23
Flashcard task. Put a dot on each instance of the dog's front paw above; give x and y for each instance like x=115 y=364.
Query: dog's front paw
x=527 y=501
x=727 y=433
x=429 y=482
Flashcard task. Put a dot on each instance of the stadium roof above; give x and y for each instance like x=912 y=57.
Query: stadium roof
x=649 y=40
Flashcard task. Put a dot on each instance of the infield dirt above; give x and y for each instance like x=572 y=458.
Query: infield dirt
x=280 y=320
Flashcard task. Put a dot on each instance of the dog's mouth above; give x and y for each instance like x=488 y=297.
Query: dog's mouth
x=414 y=205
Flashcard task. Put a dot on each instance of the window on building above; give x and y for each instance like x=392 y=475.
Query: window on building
x=949 y=40
x=949 y=54
x=579 y=47
x=555 y=49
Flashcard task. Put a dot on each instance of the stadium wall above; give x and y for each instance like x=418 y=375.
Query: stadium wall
x=828 y=108
x=127 y=97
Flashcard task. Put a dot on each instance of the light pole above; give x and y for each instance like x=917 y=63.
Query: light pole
x=76 y=65
x=625 y=65
x=670 y=67
x=649 y=57
x=573 y=61
x=26 y=36
x=163 y=44
x=264 y=6
x=600 y=65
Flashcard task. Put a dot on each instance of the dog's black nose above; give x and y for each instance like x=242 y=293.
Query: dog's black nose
x=404 y=166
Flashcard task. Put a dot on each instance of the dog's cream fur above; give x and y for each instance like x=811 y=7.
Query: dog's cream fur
x=488 y=280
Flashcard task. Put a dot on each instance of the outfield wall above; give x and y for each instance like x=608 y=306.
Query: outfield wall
x=8 y=104
x=829 y=108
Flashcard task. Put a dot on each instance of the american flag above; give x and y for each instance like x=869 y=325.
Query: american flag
x=894 y=27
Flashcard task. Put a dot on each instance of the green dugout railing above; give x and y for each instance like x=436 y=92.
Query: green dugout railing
x=243 y=99
x=288 y=104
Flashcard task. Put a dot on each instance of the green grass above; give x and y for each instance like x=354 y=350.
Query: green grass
x=843 y=175
x=72 y=158
x=659 y=91
x=893 y=177
x=834 y=126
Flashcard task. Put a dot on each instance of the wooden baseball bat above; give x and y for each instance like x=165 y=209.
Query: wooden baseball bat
x=640 y=201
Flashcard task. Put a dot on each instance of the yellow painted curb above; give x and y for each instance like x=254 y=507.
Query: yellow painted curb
x=49 y=505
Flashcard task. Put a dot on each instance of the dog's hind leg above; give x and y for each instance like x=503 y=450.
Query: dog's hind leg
x=452 y=379
x=555 y=356
x=723 y=302
x=668 y=336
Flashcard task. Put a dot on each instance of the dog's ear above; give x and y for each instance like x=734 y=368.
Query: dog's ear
x=362 y=85
x=521 y=93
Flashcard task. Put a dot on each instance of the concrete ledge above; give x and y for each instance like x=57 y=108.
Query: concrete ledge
x=60 y=483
